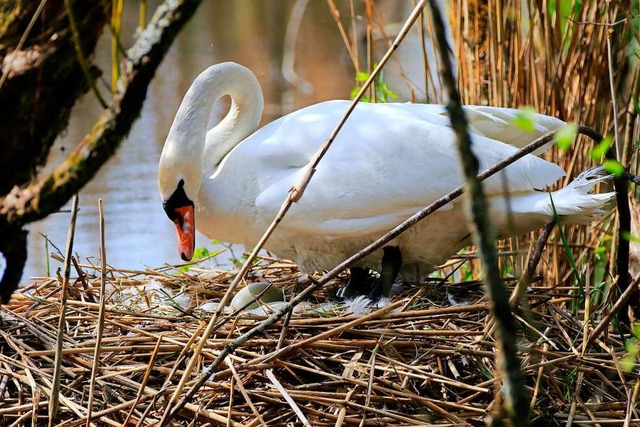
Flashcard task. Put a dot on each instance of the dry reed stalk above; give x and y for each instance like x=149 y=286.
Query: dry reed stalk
x=145 y=379
x=287 y=396
x=96 y=353
x=55 y=386
x=240 y=386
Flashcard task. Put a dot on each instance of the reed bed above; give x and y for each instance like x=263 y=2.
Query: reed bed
x=427 y=358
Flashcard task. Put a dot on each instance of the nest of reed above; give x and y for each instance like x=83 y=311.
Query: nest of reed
x=427 y=358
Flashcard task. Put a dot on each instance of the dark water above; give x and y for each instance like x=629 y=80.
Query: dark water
x=138 y=234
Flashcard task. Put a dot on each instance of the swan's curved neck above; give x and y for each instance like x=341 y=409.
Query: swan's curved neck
x=189 y=146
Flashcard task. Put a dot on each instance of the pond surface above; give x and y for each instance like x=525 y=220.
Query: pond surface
x=138 y=233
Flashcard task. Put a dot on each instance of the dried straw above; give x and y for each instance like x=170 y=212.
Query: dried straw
x=406 y=364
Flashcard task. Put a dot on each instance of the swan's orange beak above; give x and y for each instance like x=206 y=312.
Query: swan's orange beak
x=185 y=226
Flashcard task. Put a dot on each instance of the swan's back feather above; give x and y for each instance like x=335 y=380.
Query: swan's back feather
x=495 y=123
x=361 y=185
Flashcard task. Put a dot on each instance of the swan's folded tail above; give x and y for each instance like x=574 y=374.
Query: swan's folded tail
x=576 y=204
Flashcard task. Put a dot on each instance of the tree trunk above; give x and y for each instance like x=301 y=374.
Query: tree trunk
x=43 y=79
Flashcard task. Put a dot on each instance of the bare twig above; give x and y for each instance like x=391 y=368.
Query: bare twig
x=55 y=386
x=243 y=391
x=294 y=406
x=147 y=374
x=100 y=329
x=532 y=263
x=621 y=302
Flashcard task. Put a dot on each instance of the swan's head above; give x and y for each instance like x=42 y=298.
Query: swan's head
x=178 y=192
x=181 y=166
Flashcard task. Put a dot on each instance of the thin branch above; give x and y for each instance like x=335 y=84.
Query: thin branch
x=603 y=24
x=517 y=403
x=621 y=302
x=100 y=329
x=532 y=263
x=55 y=386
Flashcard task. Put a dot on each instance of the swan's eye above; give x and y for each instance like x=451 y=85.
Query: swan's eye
x=177 y=200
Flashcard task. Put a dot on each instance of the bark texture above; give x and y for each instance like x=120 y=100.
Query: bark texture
x=27 y=198
x=43 y=79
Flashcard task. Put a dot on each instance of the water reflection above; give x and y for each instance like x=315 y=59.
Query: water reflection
x=138 y=234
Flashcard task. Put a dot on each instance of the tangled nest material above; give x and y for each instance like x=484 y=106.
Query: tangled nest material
x=427 y=358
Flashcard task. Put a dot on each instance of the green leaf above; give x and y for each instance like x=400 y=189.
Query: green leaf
x=636 y=105
x=635 y=239
x=383 y=92
x=565 y=135
x=614 y=167
x=354 y=93
x=200 y=253
x=525 y=119
x=598 y=152
x=362 y=76
x=628 y=362
x=636 y=329
x=600 y=250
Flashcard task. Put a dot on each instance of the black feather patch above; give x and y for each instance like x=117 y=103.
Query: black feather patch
x=177 y=200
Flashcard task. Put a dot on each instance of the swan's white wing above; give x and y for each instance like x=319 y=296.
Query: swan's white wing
x=494 y=123
x=388 y=162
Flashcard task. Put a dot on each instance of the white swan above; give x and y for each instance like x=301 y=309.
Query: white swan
x=388 y=162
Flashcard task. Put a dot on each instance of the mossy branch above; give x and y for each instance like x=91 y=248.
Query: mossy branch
x=621 y=186
x=517 y=403
x=41 y=198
